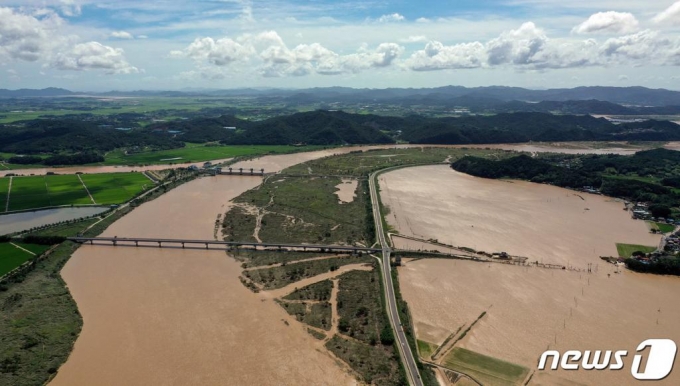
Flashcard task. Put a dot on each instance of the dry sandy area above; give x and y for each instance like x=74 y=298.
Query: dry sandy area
x=529 y=309
x=542 y=222
x=347 y=190
x=182 y=317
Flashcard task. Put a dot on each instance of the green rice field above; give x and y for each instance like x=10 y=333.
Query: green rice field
x=115 y=188
x=37 y=192
x=4 y=188
x=11 y=257
x=485 y=369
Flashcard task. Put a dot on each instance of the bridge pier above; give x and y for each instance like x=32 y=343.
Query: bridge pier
x=160 y=245
x=206 y=245
x=137 y=243
x=182 y=245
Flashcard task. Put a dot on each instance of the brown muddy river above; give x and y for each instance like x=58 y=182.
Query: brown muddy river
x=182 y=317
x=529 y=310
x=278 y=162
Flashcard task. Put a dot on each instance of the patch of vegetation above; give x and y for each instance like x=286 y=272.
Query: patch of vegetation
x=300 y=210
x=627 y=250
x=668 y=265
x=360 y=309
x=320 y=291
x=318 y=335
x=278 y=277
x=362 y=163
x=315 y=314
x=260 y=258
x=664 y=228
x=239 y=225
x=426 y=349
x=376 y=365
x=488 y=370
x=39 y=322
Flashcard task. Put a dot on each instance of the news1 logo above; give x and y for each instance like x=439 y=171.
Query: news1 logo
x=660 y=360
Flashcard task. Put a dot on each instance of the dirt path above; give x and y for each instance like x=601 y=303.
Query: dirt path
x=23 y=249
x=281 y=292
x=295 y=262
x=335 y=318
x=88 y=190
x=9 y=190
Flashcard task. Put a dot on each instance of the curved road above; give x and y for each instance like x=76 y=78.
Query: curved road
x=392 y=311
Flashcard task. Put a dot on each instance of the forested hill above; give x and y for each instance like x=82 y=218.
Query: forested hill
x=60 y=135
x=646 y=176
x=334 y=127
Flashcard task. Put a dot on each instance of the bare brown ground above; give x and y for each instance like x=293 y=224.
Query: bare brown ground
x=542 y=222
x=528 y=309
x=347 y=190
x=182 y=317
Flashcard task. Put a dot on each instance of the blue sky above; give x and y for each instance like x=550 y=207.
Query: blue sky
x=137 y=44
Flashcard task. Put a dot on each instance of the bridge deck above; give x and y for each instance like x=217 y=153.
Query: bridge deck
x=137 y=240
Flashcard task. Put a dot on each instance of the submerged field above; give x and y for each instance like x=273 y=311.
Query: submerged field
x=541 y=222
x=60 y=190
x=493 y=321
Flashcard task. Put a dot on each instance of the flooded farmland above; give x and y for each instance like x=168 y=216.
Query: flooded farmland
x=528 y=310
x=542 y=222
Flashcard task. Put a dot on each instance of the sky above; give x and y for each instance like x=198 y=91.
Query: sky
x=101 y=45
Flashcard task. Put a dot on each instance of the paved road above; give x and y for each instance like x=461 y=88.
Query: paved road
x=406 y=354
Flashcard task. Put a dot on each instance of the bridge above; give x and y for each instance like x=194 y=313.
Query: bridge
x=206 y=244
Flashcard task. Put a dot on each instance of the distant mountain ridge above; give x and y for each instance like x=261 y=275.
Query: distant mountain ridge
x=492 y=96
x=31 y=93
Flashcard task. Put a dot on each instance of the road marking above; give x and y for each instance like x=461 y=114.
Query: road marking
x=86 y=189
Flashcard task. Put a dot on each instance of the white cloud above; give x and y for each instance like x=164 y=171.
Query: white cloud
x=670 y=14
x=25 y=37
x=391 y=18
x=219 y=52
x=94 y=56
x=414 y=39
x=269 y=53
x=608 y=22
x=645 y=45
x=70 y=8
x=437 y=56
x=121 y=35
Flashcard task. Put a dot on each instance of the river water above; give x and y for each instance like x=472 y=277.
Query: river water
x=528 y=309
x=273 y=163
x=19 y=222
x=182 y=317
